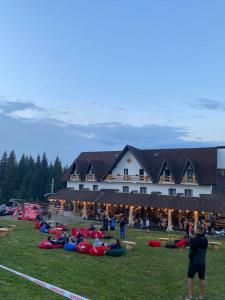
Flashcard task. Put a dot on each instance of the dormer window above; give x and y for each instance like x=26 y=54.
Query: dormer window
x=91 y=171
x=189 y=175
x=165 y=175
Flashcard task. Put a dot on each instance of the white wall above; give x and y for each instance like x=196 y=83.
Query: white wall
x=151 y=187
x=133 y=166
x=221 y=158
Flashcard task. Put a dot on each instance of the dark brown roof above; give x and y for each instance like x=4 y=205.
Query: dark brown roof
x=211 y=203
x=202 y=160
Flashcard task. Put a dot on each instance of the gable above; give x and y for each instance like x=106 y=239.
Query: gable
x=127 y=161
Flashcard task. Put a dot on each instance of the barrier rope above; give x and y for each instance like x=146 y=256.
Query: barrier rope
x=48 y=286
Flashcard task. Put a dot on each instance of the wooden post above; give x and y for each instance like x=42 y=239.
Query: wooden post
x=195 y=219
x=107 y=209
x=84 y=210
x=131 y=220
x=170 y=226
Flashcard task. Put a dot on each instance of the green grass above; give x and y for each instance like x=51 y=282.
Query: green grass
x=143 y=273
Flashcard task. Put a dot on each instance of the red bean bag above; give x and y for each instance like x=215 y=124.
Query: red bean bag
x=83 y=247
x=85 y=231
x=153 y=243
x=181 y=243
x=74 y=231
x=45 y=244
x=97 y=251
x=37 y=225
x=62 y=226
x=97 y=234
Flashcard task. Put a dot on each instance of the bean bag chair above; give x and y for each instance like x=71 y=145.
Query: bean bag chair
x=108 y=237
x=171 y=246
x=62 y=226
x=53 y=231
x=83 y=247
x=116 y=251
x=74 y=231
x=97 y=234
x=181 y=243
x=45 y=244
x=97 y=251
x=153 y=243
x=85 y=231
x=70 y=246
x=43 y=229
x=37 y=225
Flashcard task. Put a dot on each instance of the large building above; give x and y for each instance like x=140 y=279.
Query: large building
x=176 y=182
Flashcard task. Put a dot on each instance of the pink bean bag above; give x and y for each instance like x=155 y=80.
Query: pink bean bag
x=97 y=251
x=153 y=243
x=45 y=244
x=181 y=243
x=83 y=247
x=97 y=234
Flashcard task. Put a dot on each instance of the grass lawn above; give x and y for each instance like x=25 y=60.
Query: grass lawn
x=143 y=273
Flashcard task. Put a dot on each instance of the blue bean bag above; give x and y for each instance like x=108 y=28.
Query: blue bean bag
x=70 y=247
x=44 y=229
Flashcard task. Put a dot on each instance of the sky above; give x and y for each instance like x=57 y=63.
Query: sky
x=93 y=75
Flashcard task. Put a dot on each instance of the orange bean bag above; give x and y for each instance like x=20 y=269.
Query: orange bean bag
x=83 y=247
x=153 y=243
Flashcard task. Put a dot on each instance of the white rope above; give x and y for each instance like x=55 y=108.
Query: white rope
x=48 y=286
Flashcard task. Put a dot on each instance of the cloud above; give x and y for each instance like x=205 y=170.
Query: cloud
x=210 y=104
x=8 y=107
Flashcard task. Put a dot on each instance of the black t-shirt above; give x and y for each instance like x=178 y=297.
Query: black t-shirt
x=198 y=249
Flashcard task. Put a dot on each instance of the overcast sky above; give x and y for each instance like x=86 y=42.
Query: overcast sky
x=89 y=75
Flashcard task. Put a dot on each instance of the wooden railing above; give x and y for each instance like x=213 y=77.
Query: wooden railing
x=90 y=177
x=166 y=179
x=128 y=178
x=74 y=177
x=187 y=179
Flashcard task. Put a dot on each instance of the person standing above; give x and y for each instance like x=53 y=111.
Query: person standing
x=197 y=261
x=122 y=228
x=112 y=224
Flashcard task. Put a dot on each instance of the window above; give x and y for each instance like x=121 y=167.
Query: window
x=188 y=193
x=95 y=187
x=190 y=173
x=172 y=192
x=125 y=171
x=81 y=187
x=143 y=190
x=125 y=189
x=167 y=172
x=141 y=174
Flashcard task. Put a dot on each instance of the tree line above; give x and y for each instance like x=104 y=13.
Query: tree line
x=29 y=178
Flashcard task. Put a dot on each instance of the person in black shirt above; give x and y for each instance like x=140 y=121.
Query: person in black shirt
x=197 y=261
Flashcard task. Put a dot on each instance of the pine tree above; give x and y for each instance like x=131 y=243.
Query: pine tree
x=57 y=171
x=11 y=176
x=3 y=184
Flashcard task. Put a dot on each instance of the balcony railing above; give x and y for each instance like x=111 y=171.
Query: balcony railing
x=90 y=177
x=131 y=178
x=165 y=179
x=74 y=177
x=187 y=179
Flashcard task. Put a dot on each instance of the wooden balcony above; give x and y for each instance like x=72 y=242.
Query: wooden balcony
x=74 y=177
x=189 y=180
x=131 y=178
x=90 y=177
x=166 y=179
